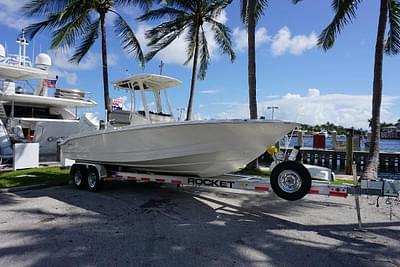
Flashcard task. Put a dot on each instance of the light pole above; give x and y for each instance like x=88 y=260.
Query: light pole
x=180 y=110
x=273 y=109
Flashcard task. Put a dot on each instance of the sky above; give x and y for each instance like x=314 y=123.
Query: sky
x=308 y=84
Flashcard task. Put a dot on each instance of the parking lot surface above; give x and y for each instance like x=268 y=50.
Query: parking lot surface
x=148 y=225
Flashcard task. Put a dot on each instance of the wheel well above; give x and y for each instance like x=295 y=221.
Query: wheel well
x=101 y=171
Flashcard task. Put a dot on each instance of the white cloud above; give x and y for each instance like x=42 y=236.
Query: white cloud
x=70 y=77
x=10 y=15
x=240 y=38
x=112 y=59
x=283 y=42
x=210 y=92
x=316 y=108
x=60 y=59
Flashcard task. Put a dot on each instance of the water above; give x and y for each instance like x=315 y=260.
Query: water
x=386 y=145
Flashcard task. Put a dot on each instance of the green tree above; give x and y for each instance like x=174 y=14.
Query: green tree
x=73 y=21
x=250 y=12
x=389 y=13
x=190 y=18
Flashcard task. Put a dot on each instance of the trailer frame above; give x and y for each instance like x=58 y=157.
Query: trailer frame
x=384 y=187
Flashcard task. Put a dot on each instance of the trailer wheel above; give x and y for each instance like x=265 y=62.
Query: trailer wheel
x=290 y=180
x=93 y=180
x=79 y=176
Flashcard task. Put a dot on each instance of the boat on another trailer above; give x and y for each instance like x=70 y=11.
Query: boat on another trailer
x=155 y=142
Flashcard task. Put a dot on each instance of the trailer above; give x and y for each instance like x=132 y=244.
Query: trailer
x=289 y=179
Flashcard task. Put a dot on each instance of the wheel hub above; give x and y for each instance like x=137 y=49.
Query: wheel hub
x=289 y=181
x=92 y=179
x=78 y=178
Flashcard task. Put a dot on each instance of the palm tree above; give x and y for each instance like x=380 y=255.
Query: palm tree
x=81 y=20
x=250 y=12
x=389 y=13
x=190 y=19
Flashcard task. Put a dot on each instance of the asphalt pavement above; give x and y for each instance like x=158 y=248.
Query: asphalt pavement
x=148 y=225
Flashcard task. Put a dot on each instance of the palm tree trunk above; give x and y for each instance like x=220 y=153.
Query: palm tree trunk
x=251 y=41
x=251 y=28
x=104 y=64
x=194 y=71
x=371 y=170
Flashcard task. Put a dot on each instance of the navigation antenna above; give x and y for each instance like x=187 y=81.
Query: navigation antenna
x=22 y=48
x=161 y=66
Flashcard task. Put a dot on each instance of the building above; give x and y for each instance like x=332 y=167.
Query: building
x=391 y=132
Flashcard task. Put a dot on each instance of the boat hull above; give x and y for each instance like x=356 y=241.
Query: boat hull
x=184 y=148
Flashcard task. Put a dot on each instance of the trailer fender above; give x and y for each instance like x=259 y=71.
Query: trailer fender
x=101 y=170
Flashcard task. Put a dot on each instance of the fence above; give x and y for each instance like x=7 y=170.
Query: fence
x=336 y=160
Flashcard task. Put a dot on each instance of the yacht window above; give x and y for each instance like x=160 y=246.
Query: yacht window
x=30 y=112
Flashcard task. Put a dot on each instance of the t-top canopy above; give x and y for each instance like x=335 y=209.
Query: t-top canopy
x=149 y=81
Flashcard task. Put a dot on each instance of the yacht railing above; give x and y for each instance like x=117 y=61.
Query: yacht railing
x=17 y=60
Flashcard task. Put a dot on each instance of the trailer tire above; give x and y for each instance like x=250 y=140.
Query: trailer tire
x=94 y=183
x=79 y=176
x=290 y=180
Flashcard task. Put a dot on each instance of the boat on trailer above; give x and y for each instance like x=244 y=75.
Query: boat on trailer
x=155 y=142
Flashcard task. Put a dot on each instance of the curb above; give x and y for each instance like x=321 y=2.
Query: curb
x=27 y=187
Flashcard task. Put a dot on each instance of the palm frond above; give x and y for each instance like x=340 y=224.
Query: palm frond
x=204 y=56
x=87 y=42
x=37 y=27
x=260 y=6
x=43 y=7
x=243 y=10
x=345 y=12
x=392 y=46
x=66 y=35
x=164 y=34
x=166 y=41
x=216 y=7
x=191 y=39
x=223 y=38
x=161 y=13
x=128 y=39
x=143 y=4
x=164 y=29
x=188 y=5
x=69 y=13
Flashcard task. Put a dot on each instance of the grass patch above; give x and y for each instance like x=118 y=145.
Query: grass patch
x=342 y=181
x=45 y=176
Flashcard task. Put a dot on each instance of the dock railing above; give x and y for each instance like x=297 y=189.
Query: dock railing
x=336 y=160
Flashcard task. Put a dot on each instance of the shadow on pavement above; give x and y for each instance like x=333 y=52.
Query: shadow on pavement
x=140 y=225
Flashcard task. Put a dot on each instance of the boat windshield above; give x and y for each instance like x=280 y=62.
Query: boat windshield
x=157 y=102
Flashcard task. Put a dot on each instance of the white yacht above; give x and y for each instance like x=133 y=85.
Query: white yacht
x=32 y=108
x=155 y=142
